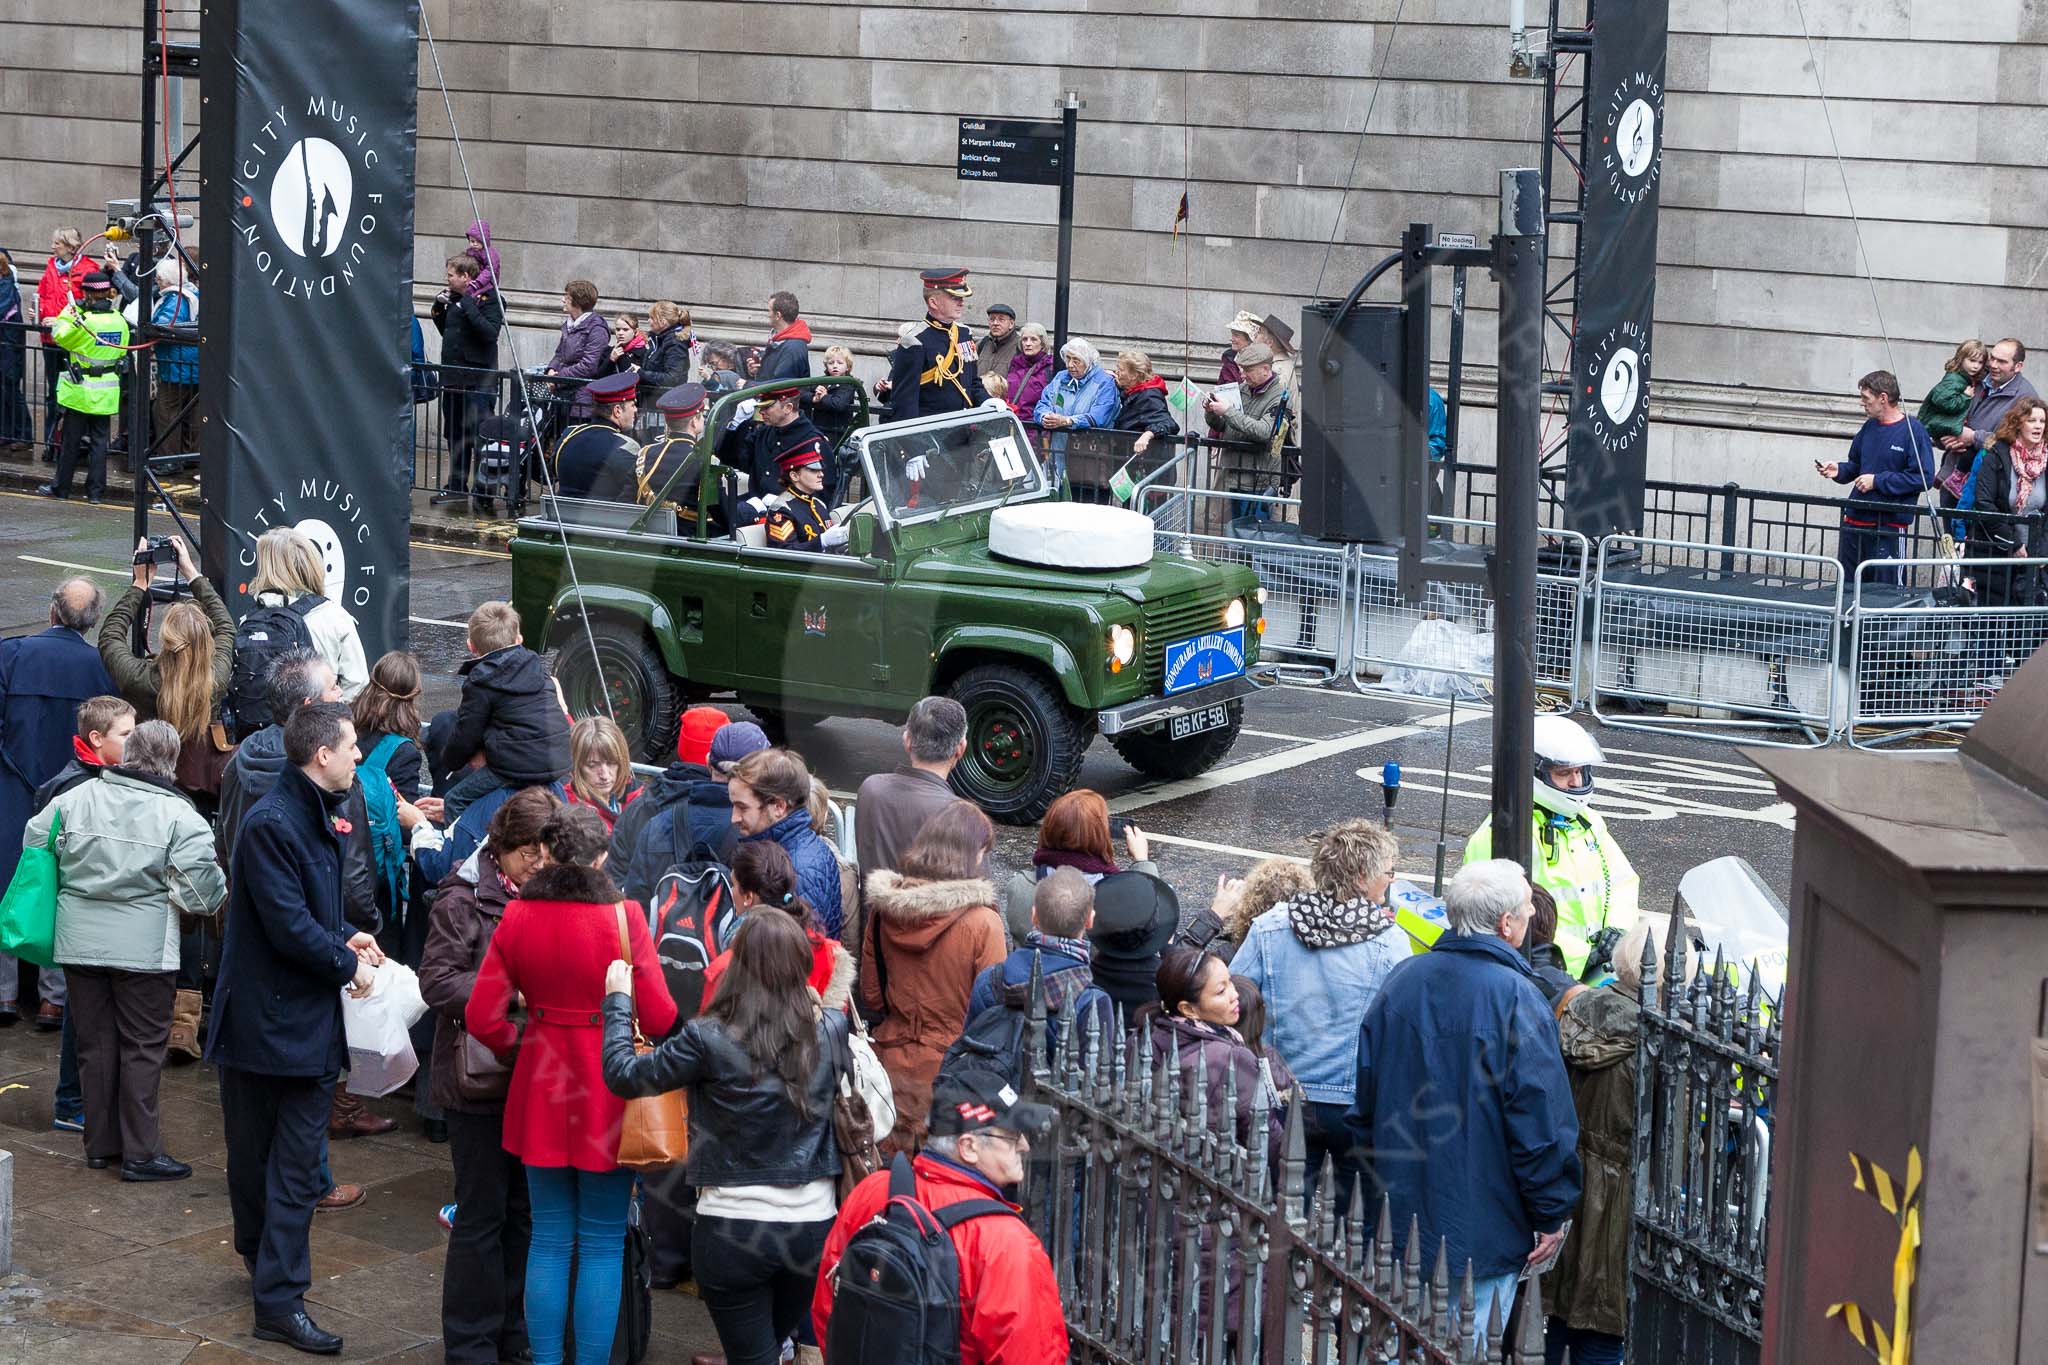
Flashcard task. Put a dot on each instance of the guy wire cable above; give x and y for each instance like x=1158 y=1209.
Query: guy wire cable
x=1358 y=148
x=519 y=372
x=1862 y=254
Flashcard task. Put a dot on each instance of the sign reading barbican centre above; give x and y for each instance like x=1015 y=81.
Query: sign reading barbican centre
x=1012 y=151
x=305 y=341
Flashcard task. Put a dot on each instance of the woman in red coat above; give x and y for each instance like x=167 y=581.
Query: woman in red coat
x=550 y=955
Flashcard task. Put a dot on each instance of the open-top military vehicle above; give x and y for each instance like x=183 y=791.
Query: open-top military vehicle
x=964 y=573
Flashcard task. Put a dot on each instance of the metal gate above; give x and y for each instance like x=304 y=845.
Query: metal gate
x=1177 y=1237
x=1708 y=1072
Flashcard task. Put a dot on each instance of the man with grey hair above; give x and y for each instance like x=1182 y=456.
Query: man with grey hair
x=43 y=679
x=1463 y=1108
x=890 y=808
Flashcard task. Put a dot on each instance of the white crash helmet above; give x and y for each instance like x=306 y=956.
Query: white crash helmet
x=1562 y=743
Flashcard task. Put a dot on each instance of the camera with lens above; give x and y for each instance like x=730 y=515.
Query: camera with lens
x=160 y=551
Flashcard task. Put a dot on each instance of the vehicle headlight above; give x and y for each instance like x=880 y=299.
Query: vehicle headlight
x=1260 y=597
x=1233 y=613
x=1123 y=645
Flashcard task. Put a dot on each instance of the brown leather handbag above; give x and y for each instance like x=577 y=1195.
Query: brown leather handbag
x=479 y=1076
x=656 y=1131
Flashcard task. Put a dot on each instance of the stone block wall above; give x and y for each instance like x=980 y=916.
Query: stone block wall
x=715 y=151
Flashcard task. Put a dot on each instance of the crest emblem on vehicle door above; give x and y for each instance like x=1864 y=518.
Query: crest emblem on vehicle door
x=815 y=622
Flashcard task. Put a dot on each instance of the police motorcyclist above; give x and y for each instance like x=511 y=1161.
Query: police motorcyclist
x=598 y=459
x=1576 y=859
x=94 y=337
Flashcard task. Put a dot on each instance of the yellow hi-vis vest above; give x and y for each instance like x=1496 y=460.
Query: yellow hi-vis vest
x=96 y=342
x=1585 y=872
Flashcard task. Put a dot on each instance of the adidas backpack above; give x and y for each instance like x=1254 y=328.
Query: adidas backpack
x=693 y=921
x=263 y=635
x=896 y=1289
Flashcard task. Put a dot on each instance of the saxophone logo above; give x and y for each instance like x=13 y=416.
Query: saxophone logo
x=309 y=196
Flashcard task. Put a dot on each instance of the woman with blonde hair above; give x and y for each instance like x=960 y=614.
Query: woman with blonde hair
x=289 y=571
x=601 y=768
x=184 y=681
x=666 y=362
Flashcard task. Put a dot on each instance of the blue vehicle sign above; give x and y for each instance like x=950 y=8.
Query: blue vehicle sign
x=1204 y=659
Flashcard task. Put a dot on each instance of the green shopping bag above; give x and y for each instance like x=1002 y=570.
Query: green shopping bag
x=28 y=913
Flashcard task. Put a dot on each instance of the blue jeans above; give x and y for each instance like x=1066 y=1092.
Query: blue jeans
x=579 y=1221
x=1484 y=1292
x=70 y=1098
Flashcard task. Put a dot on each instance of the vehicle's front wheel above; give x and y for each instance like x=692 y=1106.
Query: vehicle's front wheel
x=1155 y=754
x=1024 y=742
x=626 y=670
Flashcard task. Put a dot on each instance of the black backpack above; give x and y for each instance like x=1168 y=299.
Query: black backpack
x=896 y=1289
x=995 y=1039
x=263 y=635
x=693 y=918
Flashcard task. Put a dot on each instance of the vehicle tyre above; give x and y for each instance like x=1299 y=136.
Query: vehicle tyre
x=629 y=670
x=1155 y=755
x=1024 y=742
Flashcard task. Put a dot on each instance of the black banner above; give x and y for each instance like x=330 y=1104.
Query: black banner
x=305 y=340
x=1015 y=151
x=1617 y=288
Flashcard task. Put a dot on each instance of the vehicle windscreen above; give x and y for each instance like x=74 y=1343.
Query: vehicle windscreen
x=978 y=459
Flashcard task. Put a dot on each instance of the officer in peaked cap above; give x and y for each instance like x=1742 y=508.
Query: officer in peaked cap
x=803 y=521
x=757 y=446
x=598 y=459
x=935 y=371
x=682 y=410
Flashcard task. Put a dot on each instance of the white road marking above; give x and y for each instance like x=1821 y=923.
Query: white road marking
x=435 y=621
x=1662 y=793
x=81 y=568
x=1266 y=764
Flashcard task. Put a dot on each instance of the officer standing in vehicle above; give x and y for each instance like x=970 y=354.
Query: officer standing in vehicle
x=682 y=410
x=598 y=459
x=94 y=337
x=757 y=446
x=803 y=521
x=1576 y=859
x=934 y=371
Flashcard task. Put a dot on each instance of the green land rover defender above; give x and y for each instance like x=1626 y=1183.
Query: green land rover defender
x=963 y=573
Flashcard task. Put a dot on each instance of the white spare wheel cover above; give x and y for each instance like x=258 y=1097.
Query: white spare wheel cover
x=1071 y=535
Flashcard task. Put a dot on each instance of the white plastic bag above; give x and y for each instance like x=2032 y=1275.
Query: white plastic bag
x=1441 y=659
x=402 y=983
x=380 y=1054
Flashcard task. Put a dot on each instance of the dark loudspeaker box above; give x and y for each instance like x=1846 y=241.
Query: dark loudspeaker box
x=1351 y=423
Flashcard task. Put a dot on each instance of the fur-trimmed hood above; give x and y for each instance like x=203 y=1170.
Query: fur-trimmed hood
x=839 y=988
x=568 y=882
x=918 y=912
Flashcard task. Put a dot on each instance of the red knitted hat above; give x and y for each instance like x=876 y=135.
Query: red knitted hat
x=700 y=723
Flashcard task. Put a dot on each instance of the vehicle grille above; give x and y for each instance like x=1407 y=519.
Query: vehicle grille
x=1176 y=619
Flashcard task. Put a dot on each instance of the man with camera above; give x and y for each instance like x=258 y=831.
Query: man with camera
x=94 y=337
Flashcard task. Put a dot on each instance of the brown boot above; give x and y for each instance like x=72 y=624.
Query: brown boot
x=185 y=1010
x=349 y=1119
x=341 y=1197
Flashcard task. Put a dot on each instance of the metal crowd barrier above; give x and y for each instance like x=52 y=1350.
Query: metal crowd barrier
x=1389 y=633
x=1307 y=582
x=1747 y=643
x=1924 y=655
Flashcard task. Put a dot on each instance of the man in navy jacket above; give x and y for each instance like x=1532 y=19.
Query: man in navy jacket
x=276 y=1031
x=1463 y=1105
x=43 y=678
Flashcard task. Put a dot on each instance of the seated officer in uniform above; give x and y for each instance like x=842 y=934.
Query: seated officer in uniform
x=682 y=410
x=598 y=459
x=934 y=371
x=756 y=446
x=803 y=521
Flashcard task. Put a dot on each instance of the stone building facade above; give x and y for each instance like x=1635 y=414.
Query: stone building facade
x=712 y=151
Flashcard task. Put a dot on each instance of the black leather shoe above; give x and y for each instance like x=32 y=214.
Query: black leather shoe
x=156 y=1168
x=100 y=1163
x=299 y=1333
x=447 y=495
x=436 y=1129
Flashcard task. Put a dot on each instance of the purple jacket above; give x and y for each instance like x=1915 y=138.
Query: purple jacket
x=1028 y=377
x=581 y=354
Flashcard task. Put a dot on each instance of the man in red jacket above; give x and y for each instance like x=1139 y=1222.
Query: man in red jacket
x=1009 y=1302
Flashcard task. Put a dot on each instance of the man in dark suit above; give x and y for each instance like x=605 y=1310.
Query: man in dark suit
x=277 y=1033
x=43 y=678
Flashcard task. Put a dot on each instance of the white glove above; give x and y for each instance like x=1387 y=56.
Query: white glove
x=834 y=537
x=914 y=467
x=740 y=414
x=998 y=404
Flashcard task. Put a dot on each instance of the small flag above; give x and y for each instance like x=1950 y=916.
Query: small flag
x=1186 y=396
x=1122 y=485
x=1180 y=215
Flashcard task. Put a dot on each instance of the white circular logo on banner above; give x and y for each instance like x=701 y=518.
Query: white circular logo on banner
x=310 y=197
x=333 y=558
x=1635 y=137
x=1621 y=383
